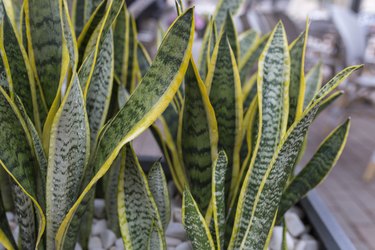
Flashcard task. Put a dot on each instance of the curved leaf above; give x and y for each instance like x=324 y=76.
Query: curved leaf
x=316 y=169
x=6 y=237
x=198 y=137
x=68 y=155
x=195 y=225
x=273 y=85
x=139 y=112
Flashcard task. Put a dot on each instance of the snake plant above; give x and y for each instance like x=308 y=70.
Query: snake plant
x=63 y=78
x=243 y=117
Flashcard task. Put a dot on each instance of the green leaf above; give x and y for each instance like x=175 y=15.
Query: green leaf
x=222 y=8
x=231 y=33
x=195 y=225
x=134 y=202
x=68 y=155
x=249 y=90
x=297 y=79
x=16 y=157
x=314 y=80
x=329 y=100
x=139 y=112
x=156 y=241
x=273 y=85
x=198 y=137
x=19 y=75
x=224 y=87
x=43 y=18
x=247 y=40
x=218 y=197
x=159 y=190
x=208 y=42
x=129 y=73
x=78 y=8
x=143 y=58
x=247 y=62
x=100 y=88
x=89 y=8
x=316 y=169
x=6 y=237
x=273 y=182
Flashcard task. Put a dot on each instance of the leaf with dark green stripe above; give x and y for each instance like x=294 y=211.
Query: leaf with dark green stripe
x=89 y=8
x=222 y=8
x=273 y=85
x=121 y=41
x=195 y=225
x=128 y=77
x=159 y=190
x=314 y=80
x=249 y=91
x=224 y=89
x=46 y=50
x=231 y=33
x=297 y=78
x=134 y=202
x=16 y=157
x=156 y=241
x=268 y=195
x=329 y=100
x=247 y=62
x=6 y=237
x=97 y=97
x=218 y=197
x=316 y=169
x=139 y=112
x=199 y=137
x=78 y=17
x=143 y=58
x=21 y=79
x=68 y=155
x=247 y=40
x=208 y=44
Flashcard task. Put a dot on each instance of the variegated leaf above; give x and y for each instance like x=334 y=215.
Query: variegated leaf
x=136 y=208
x=139 y=112
x=329 y=100
x=224 y=87
x=156 y=241
x=121 y=42
x=222 y=8
x=247 y=40
x=314 y=80
x=78 y=8
x=195 y=225
x=273 y=85
x=143 y=58
x=6 y=237
x=231 y=33
x=68 y=155
x=297 y=77
x=316 y=169
x=129 y=73
x=218 y=197
x=89 y=8
x=159 y=190
x=198 y=137
x=208 y=42
x=273 y=183
x=44 y=18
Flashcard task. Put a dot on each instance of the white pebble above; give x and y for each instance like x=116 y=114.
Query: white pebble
x=296 y=210
x=99 y=227
x=176 y=230
x=99 y=208
x=95 y=243
x=294 y=224
x=184 y=246
x=307 y=237
x=10 y=216
x=172 y=242
x=16 y=232
x=277 y=239
x=77 y=246
x=108 y=238
x=307 y=245
x=119 y=244
x=177 y=216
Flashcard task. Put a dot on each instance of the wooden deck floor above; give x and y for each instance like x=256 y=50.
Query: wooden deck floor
x=350 y=199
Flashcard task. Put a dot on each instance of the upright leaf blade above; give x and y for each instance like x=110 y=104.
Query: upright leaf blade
x=198 y=137
x=222 y=8
x=195 y=225
x=273 y=85
x=247 y=40
x=316 y=169
x=231 y=33
x=313 y=82
x=68 y=156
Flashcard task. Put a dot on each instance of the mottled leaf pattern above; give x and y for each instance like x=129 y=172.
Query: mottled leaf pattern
x=195 y=225
x=273 y=85
x=159 y=190
x=231 y=33
x=316 y=169
x=198 y=137
x=222 y=8
x=247 y=40
x=314 y=80
x=6 y=237
x=68 y=156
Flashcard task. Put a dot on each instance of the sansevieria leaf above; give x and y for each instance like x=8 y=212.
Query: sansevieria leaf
x=314 y=80
x=195 y=225
x=6 y=237
x=156 y=241
x=16 y=158
x=136 y=207
x=68 y=155
x=231 y=33
x=316 y=169
x=159 y=190
x=159 y=85
x=224 y=87
x=273 y=85
x=218 y=197
x=198 y=137
x=222 y=8
x=247 y=40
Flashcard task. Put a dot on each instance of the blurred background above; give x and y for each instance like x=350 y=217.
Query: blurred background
x=342 y=33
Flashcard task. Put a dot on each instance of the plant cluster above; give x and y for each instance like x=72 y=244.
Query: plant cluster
x=77 y=87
